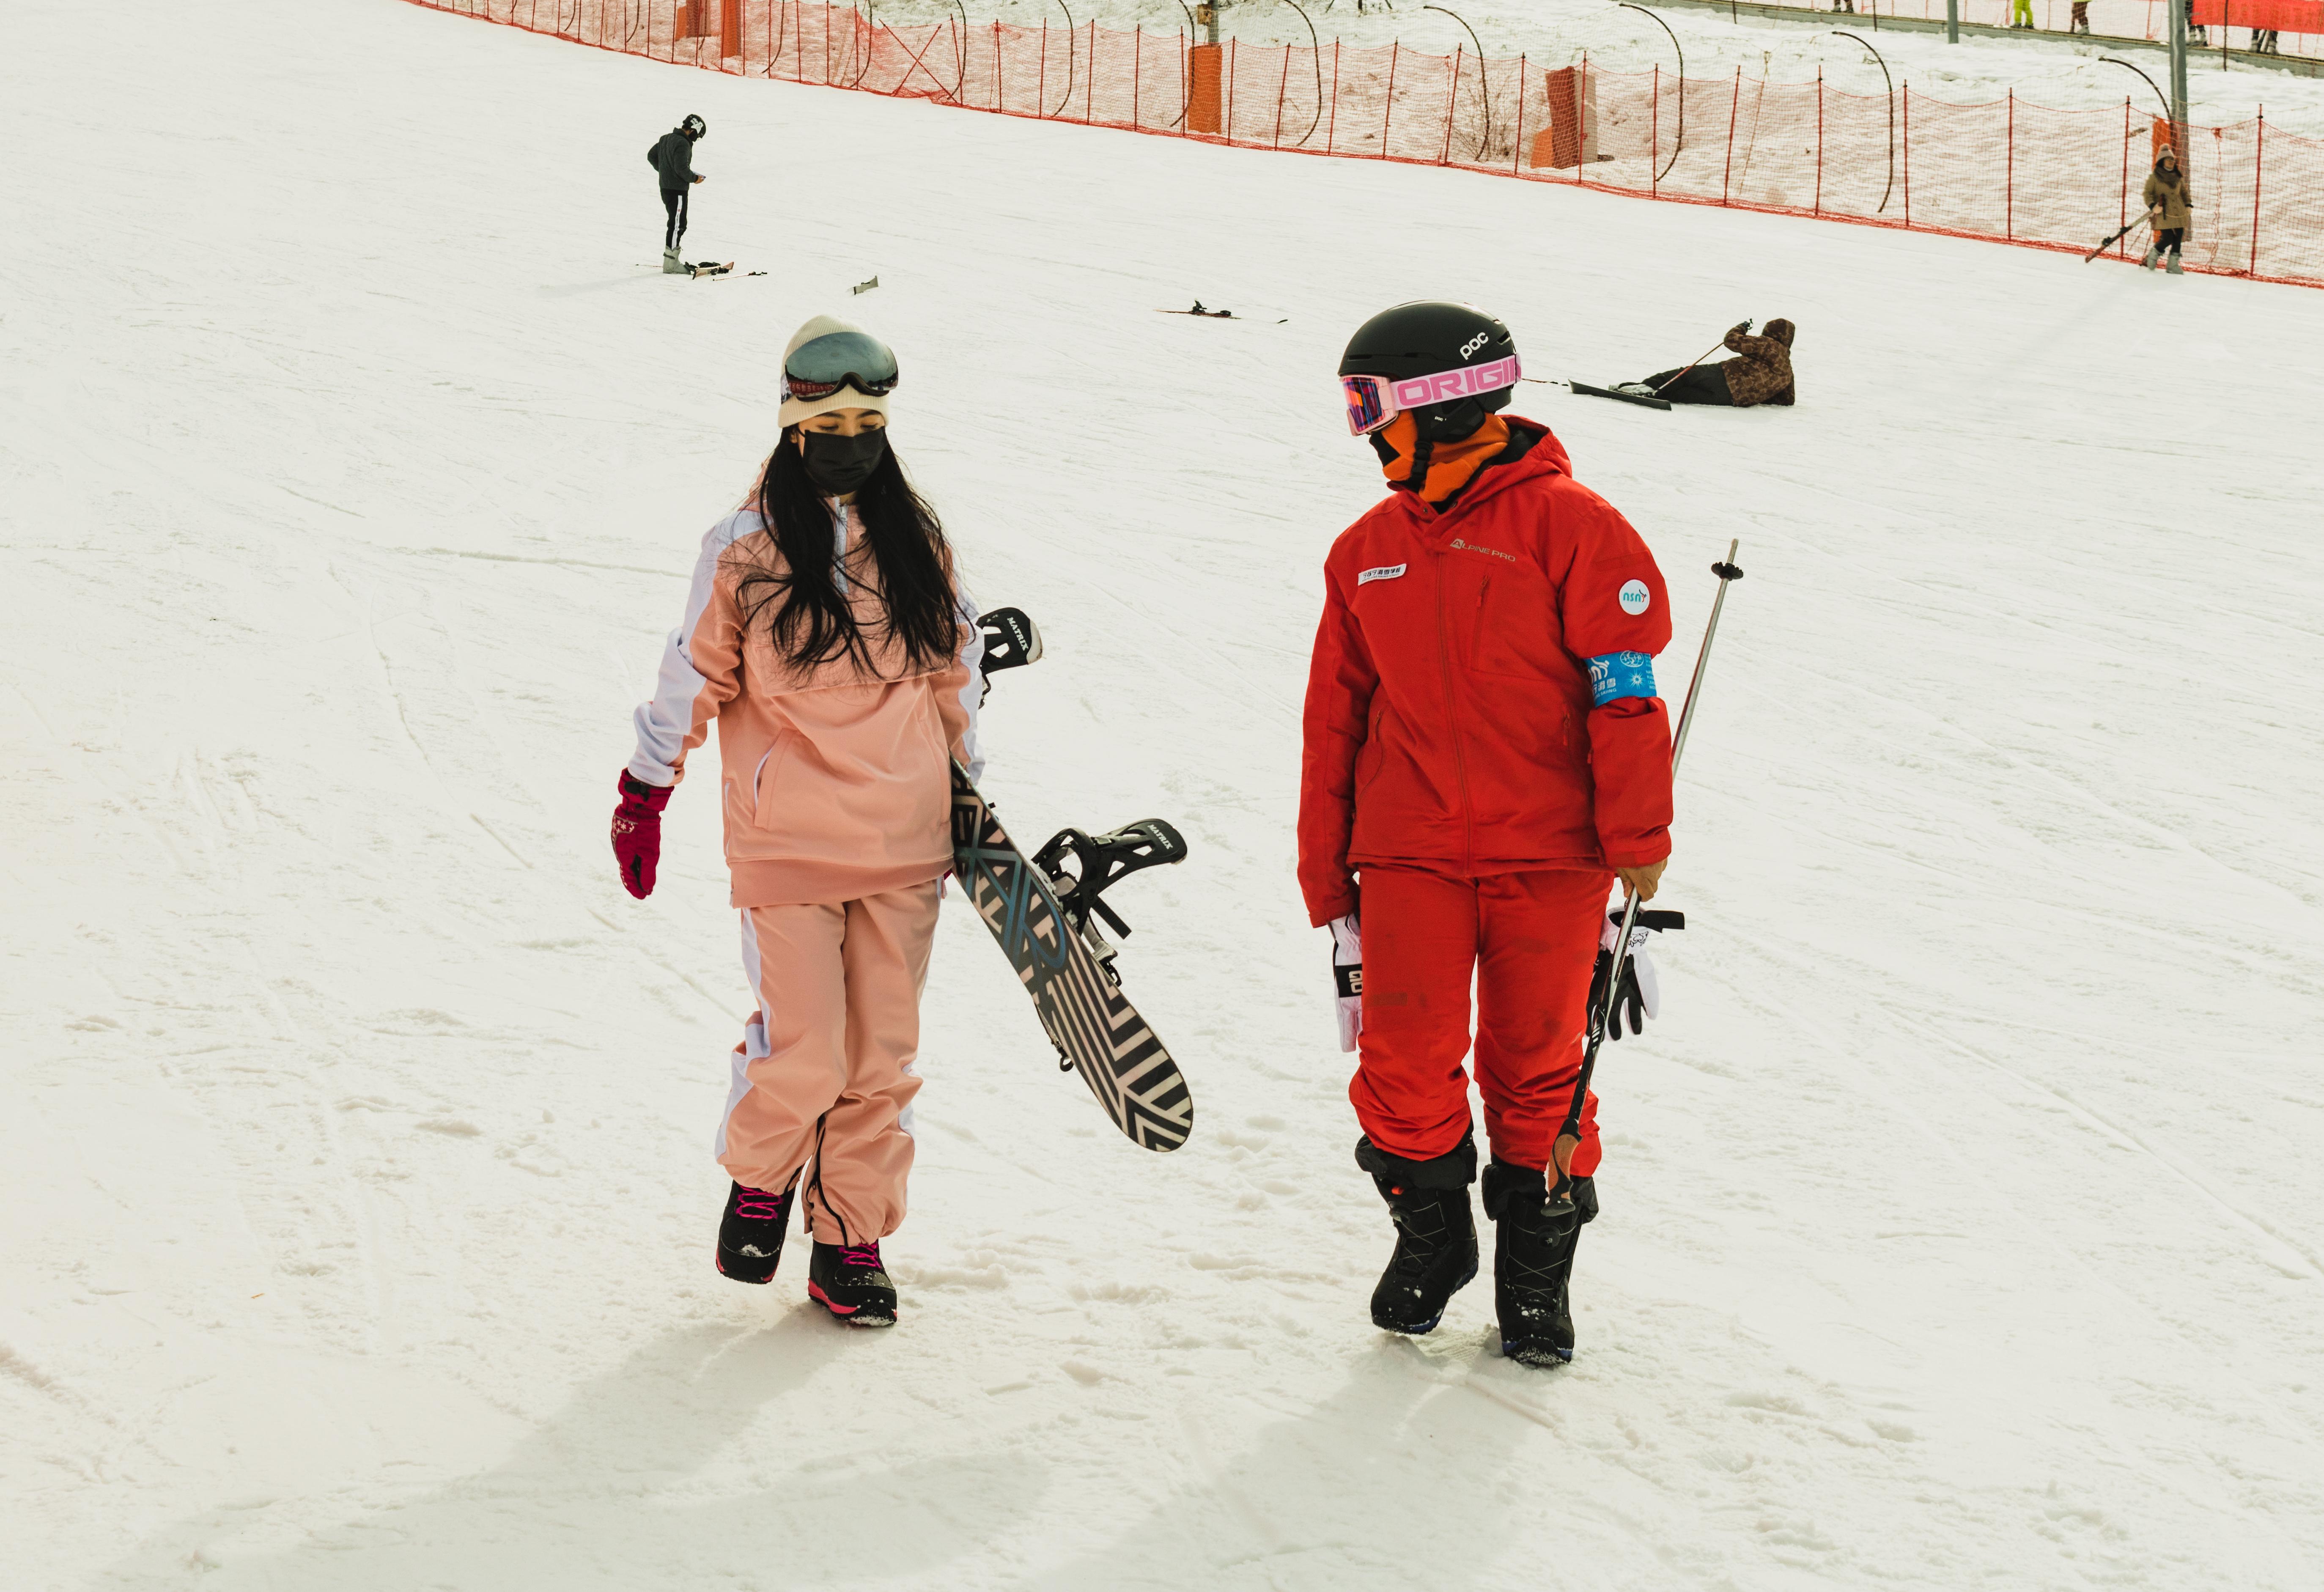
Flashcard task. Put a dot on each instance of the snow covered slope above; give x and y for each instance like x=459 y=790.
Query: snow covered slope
x=1965 y=1216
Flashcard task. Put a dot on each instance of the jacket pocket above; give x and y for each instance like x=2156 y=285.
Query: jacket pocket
x=1514 y=631
x=1374 y=755
x=765 y=808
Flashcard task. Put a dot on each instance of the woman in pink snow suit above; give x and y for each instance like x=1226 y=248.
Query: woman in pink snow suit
x=826 y=633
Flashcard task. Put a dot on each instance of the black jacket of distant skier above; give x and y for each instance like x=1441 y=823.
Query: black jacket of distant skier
x=672 y=157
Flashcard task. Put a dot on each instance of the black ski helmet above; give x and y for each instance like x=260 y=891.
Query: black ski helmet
x=695 y=127
x=1423 y=338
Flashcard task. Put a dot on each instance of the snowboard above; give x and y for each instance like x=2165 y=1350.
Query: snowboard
x=1640 y=398
x=1065 y=963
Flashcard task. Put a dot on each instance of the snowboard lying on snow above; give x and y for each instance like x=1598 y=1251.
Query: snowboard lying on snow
x=1040 y=911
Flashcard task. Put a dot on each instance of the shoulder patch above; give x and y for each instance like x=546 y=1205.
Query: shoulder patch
x=1635 y=598
x=1381 y=571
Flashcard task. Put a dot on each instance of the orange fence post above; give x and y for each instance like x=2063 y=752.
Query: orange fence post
x=1519 y=143
x=1389 y=109
x=1654 y=133
x=1330 y=131
x=1908 y=153
x=1234 y=56
x=1819 y=191
x=1202 y=98
x=2125 y=217
x=1041 y=104
x=1559 y=146
x=1451 y=98
x=1282 y=84
x=1089 y=95
x=1733 y=105
x=1581 y=119
x=1186 y=84
x=2010 y=173
x=2259 y=145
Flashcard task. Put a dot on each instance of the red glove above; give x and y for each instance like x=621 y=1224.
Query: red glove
x=637 y=832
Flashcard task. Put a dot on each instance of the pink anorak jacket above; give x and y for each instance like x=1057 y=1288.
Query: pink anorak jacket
x=837 y=783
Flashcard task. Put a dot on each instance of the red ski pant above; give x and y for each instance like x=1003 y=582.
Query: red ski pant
x=1529 y=940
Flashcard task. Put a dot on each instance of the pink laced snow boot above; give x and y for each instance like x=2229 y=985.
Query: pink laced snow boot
x=848 y=1281
x=751 y=1234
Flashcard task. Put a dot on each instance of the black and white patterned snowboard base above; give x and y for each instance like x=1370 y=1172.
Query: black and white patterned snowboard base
x=1089 y=1019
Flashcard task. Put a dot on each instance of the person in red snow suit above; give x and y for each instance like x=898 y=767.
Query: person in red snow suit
x=826 y=634
x=1484 y=753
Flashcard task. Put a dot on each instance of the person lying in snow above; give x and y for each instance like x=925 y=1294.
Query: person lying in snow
x=1763 y=374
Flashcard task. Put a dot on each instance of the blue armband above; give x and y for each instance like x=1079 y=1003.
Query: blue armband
x=1617 y=674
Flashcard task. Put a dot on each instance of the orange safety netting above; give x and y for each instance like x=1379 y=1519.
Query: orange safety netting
x=2290 y=16
x=2006 y=171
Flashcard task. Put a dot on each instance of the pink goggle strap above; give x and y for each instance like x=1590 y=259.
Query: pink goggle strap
x=1374 y=401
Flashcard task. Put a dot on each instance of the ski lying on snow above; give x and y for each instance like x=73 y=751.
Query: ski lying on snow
x=1636 y=398
x=1205 y=314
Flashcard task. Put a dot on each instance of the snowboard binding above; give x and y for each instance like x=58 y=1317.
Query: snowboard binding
x=1012 y=640
x=1099 y=862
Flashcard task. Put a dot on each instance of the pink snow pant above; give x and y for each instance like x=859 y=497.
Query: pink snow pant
x=824 y=1074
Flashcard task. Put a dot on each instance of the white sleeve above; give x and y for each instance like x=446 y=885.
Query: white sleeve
x=972 y=694
x=666 y=720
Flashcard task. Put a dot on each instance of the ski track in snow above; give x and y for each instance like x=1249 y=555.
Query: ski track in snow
x=1961 y=1212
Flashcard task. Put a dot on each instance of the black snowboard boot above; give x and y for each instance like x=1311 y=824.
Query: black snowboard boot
x=1435 y=1235
x=1533 y=1261
x=750 y=1235
x=848 y=1281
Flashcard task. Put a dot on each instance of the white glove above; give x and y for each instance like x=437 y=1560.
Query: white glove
x=1640 y=990
x=1348 y=976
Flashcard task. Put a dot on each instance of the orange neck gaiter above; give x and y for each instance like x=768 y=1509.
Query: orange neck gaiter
x=1445 y=467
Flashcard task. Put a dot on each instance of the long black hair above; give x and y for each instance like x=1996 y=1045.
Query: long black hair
x=805 y=615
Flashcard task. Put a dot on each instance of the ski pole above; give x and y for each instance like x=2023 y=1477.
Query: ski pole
x=1561 y=1201
x=2118 y=237
x=1699 y=358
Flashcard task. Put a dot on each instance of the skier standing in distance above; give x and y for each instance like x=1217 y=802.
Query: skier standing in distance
x=2170 y=210
x=672 y=158
x=825 y=632
x=1484 y=752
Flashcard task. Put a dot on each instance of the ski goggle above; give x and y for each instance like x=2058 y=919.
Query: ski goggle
x=818 y=369
x=1374 y=401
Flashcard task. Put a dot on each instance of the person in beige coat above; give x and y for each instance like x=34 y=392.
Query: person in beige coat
x=2170 y=209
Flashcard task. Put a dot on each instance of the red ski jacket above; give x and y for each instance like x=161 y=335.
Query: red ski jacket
x=1481 y=698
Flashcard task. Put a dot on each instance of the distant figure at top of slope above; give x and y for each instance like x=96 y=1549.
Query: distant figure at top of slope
x=1485 y=751
x=1762 y=374
x=672 y=158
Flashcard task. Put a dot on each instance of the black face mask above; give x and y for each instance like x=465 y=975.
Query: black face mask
x=839 y=465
